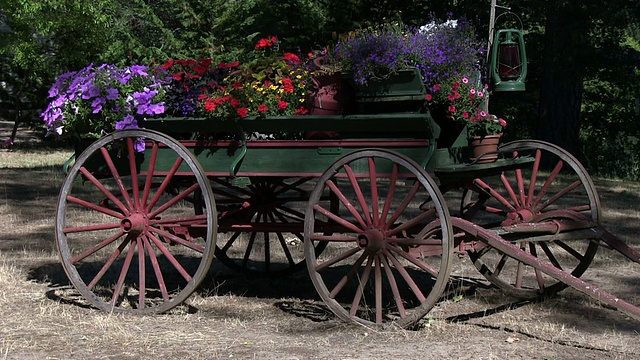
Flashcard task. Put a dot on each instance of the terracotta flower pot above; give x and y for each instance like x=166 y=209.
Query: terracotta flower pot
x=484 y=148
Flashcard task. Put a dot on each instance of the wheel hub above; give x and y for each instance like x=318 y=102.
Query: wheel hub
x=521 y=216
x=372 y=240
x=136 y=223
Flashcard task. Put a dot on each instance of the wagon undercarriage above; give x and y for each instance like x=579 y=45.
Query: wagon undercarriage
x=137 y=229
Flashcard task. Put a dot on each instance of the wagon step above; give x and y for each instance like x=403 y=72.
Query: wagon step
x=512 y=250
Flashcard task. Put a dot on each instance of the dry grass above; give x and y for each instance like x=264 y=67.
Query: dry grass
x=244 y=318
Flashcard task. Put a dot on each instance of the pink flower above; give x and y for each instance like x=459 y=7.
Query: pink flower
x=465 y=80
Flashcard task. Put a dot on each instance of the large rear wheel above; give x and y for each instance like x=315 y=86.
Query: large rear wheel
x=390 y=246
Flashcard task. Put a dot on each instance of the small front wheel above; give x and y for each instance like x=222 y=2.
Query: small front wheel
x=549 y=187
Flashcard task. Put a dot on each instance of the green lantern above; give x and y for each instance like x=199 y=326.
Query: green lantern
x=508 y=61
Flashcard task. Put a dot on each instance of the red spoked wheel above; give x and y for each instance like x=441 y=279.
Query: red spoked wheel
x=126 y=230
x=263 y=225
x=389 y=258
x=546 y=194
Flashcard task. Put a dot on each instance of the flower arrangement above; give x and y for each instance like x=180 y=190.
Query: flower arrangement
x=439 y=51
x=97 y=100
x=464 y=105
x=190 y=80
x=372 y=53
x=268 y=84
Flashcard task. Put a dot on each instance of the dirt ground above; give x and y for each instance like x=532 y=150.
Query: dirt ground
x=234 y=317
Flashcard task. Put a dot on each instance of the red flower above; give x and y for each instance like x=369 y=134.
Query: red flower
x=242 y=112
x=263 y=108
x=177 y=76
x=237 y=85
x=452 y=109
x=301 y=111
x=282 y=105
x=291 y=58
x=429 y=97
x=288 y=85
x=466 y=115
x=451 y=97
x=167 y=65
x=202 y=97
x=436 y=87
x=235 y=103
x=209 y=105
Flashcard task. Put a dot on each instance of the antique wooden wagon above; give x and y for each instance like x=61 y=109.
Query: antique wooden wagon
x=142 y=213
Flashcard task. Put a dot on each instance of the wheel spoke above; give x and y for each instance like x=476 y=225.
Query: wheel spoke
x=539 y=278
x=405 y=275
x=175 y=200
x=177 y=239
x=373 y=178
x=548 y=182
x=510 y=191
x=156 y=269
x=337 y=219
x=378 y=281
x=403 y=205
x=164 y=184
x=347 y=203
x=116 y=176
x=389 y=200
x=394 y=286
x=421 y=264
x=123 y=272
x=135 y=186
x=150 y=171
x=413 y=222
x=92 y=206
x=359 y=195
x=247 y=252
x=104 y=190
x=326 y=263
x=534 y=177
x=352 y=271
x=362 y=283
x=89 y=228
x=142 y=285
x=109 y=262
x=176 y=264
x=550 y=255
x=97 y=247
x=559 y=195
x=490 y=190
x=570 y=250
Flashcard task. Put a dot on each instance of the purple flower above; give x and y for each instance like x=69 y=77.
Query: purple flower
x=128 y=122
x=112 y=94
x=89 y=91
x=97 y=104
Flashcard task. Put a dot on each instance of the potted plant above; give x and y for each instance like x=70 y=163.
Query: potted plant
x=464 y=106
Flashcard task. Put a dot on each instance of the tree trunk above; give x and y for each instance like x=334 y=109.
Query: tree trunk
x=562 y=81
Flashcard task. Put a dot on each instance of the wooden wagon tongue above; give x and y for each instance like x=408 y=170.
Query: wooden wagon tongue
x=492 y=239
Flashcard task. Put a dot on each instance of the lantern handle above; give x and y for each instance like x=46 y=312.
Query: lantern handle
x=508 y=12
